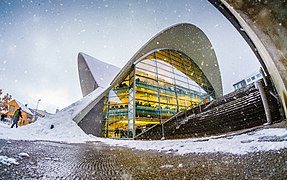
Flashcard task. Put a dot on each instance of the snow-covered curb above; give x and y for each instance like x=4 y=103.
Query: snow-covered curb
x=261 y=140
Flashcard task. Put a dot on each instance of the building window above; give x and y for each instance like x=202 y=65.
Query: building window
x=11 y=108
x=248 y=80
x=253 y=78
x=157 y=88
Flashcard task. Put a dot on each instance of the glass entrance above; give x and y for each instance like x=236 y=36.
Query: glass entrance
x=157 y=87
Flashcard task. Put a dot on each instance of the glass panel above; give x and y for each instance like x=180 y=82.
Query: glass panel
x=164 y=86
x=146 y=73
x=179 y=73
x=165 y=72
x=147 y=112
x=145 y=66
x=181 y=108
x=147 y=96
x=181 y=91
x=150 y=61
x=165 y=66
x=168 y=99
x=191 y=82
x=166 y=79
x=167 y=110
x=116 y=110
x=146 y=82
x=182 y=84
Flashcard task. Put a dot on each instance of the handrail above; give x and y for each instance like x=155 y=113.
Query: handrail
x=202 y=102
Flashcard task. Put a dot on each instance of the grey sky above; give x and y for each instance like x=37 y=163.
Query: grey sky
x=40 y=40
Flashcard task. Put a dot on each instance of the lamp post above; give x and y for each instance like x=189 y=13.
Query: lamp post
x=35 y=115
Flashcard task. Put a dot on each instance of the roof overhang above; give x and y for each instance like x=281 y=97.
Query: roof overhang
x=188 y=39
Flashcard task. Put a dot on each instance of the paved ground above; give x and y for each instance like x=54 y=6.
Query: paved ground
x=98 y=161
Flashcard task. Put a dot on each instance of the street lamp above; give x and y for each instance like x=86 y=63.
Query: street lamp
x=35 y=115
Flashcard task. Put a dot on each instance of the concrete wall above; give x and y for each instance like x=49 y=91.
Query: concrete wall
x=92 y=122
x=265 y=26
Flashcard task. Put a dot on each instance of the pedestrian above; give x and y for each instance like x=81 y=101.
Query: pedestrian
x=3 y=117
x=16 y=117
x=117 y=132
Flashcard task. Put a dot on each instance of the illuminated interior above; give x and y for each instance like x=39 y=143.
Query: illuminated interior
x=158 y=86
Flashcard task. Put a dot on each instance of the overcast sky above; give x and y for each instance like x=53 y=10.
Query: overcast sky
x=40 y=40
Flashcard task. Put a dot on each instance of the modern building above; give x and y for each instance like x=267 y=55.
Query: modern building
x=175 y=70
x=27 y=115
x=248 y=80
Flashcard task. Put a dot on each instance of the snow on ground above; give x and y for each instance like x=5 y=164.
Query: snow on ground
x=66 y=130
x=261 y=140
x=23 y=154
x=8 y=161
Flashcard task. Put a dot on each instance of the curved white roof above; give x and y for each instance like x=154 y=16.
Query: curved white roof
x=94 y=73
x=188 y=39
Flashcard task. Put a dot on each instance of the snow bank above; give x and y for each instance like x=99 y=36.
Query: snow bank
x=8 y=161
x=23 y=154
x=262 y=140
x=65 y=130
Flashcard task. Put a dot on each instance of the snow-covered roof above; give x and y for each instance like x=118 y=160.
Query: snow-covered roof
x=24 y=108
x=3 y=112
x=94 y=73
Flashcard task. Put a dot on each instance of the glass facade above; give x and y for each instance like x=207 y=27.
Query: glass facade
x=157 y=87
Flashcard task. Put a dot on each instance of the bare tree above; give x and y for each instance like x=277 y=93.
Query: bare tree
x=4 y=101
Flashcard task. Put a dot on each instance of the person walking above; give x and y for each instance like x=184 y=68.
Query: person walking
x=16 y=117
x=3 y=117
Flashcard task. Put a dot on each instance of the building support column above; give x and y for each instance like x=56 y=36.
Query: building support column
x=264 y=101
x=158 y=97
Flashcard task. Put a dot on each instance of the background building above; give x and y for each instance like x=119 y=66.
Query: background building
x=248 y=80
x=27 y=115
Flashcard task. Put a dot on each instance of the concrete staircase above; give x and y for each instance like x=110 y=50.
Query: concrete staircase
x=238 y=110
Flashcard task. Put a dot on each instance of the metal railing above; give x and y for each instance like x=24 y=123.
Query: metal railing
x=179 y=114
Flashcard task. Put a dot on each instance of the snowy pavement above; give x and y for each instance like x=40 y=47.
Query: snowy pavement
x=72 y=154
x=95 y=160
